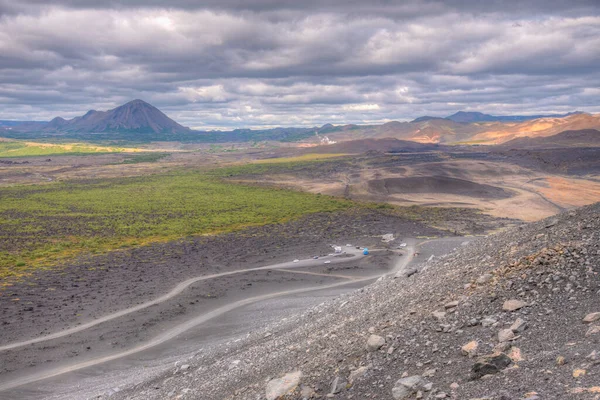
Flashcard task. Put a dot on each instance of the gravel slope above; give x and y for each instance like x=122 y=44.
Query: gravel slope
x=547 y=272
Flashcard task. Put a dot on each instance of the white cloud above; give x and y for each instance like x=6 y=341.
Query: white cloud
x=361 y=107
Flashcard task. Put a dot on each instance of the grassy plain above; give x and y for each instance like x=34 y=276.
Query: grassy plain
x=44 y=224
x=33 y=149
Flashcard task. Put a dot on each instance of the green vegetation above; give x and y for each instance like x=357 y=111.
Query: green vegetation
x=144 y=158
x=41 y=225
x=285 y=164
x=29 y=149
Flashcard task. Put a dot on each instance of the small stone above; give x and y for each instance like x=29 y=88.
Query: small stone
x=560 y=360
x=281 y=386
x=375 y=342
x=470 y=349
x=406 y=387
x=454 y=386
x=518 y=326
x=490 y=364
x=513 y=305
x=579 y=372
x=592 y=317
x=594 y=329
x=429 y=372
x=451 y=304
x=488 y=321
x=592 y=356
x=485 y=278
x=307 y=392
x=337 y=385
x=357 y=374
x=390 y=350
x=505 y=335
x=515 y=354
x=439 y=315
x=502 y=347
x=184 y=367
x=441 y=395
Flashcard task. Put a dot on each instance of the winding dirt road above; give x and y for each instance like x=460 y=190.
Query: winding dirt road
x=401 y=264
x=176 y=291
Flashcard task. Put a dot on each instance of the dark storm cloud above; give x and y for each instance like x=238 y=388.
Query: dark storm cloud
x=262 y=63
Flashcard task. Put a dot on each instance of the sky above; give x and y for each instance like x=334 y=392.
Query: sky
x=222 y=64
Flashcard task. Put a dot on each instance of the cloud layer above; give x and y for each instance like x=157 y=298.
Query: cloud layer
x=281 y=63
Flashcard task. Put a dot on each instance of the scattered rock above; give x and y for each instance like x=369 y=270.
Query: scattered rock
x=518 y=326
x=406 y=387
x=307 y=393
x=357 y=374
x=281 y=386
x=337 y=385
x=485 y=278
x=515 y=354
x=487 y=322
x=513 y=305
x=375 y=342
x=470 y=349
x=560 y=360
x=439 y=315
x=505 y=335
x=579 y=372
x=451 y=304
x=490 y=364
x=592 y=317
x=594 y=329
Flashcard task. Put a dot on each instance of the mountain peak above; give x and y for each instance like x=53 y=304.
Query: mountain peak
x=137 y=102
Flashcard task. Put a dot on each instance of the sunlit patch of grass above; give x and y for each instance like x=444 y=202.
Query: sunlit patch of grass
x=43 y=225
x=33 y=149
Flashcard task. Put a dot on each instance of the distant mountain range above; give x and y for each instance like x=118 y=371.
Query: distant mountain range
x=138 y=121
x=468 y=117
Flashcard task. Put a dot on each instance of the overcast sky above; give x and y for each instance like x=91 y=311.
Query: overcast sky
x=262 y=63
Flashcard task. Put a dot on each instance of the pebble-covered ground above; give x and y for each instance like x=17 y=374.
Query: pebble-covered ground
x=512 y=316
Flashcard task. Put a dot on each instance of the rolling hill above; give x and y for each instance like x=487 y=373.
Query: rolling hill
x=579 y=138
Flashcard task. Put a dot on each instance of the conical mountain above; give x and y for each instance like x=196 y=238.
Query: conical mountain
x=135 y=116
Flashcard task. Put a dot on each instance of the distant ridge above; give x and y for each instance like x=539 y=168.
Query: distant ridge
x=578 y=138
x=473 y=116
